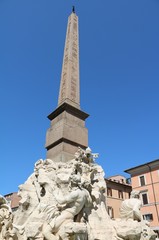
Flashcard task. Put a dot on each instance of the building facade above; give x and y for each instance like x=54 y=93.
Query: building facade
x=13 y=199
x=117 y=190
x=145 y=179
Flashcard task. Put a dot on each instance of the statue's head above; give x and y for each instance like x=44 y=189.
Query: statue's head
x=135 y=194
x=2 y=200
x=37 y=166
x=75 y=179
x=88 y=152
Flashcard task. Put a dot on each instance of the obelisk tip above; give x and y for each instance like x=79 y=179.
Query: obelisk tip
x=73 y=9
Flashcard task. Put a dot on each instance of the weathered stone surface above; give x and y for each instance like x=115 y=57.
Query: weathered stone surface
x=65 y=201
x=69 y=87
x=68 y=130
x=66 y=133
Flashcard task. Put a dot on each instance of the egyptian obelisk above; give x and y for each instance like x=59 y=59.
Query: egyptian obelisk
x=68 y=131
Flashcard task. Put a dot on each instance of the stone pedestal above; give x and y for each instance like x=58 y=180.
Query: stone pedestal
x=66 y=134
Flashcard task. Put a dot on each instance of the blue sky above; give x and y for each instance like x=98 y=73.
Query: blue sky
x=119 y=75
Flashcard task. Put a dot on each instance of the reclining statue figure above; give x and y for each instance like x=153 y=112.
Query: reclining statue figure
x=69 y=207
x=130 y=208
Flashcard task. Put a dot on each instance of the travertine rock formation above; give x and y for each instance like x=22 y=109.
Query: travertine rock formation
x=66 y=201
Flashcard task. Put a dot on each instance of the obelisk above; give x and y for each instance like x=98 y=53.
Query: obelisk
x=68 y=131
x=69 y=87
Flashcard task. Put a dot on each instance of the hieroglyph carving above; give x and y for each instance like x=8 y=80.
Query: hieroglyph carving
x=69 y=87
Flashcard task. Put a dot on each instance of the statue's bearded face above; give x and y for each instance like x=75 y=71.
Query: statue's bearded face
x=75 y=179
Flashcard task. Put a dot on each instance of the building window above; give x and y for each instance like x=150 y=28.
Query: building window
x=148 y=217
x=144 y=198
x=14 y=209
x=110 y=212
x=109 y=192
x=142 y=180
x=120 y=194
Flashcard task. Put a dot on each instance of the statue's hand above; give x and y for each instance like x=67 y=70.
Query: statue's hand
x=60 y=206
x=146 y=222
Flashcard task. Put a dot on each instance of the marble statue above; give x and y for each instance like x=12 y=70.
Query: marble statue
x=69 y=206
x=6 y=221
x=131 y=224
x=130 y=208
x=67 y=201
